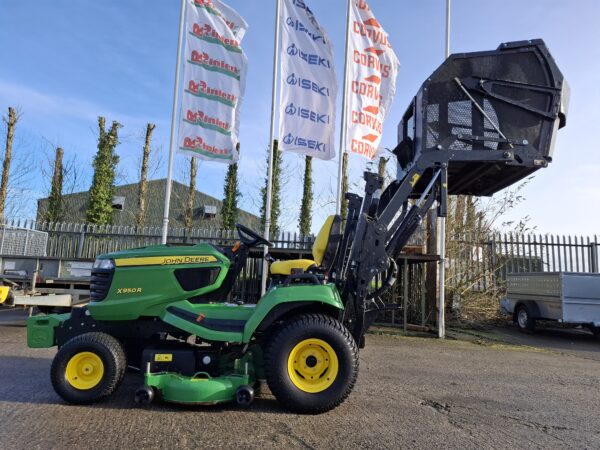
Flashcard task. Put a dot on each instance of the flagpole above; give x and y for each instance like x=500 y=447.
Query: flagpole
x=165 y=226
x=442 y=245
x=340 y=194
x=265 y=267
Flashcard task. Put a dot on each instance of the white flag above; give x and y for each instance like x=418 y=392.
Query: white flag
x=234 y=21
x=214 y=78
x=308 y=84
x=372 y=70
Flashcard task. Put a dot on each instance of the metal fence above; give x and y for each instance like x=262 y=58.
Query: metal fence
x=16 y=241
x=475 y=263
x=86 y=241
x=481 y=263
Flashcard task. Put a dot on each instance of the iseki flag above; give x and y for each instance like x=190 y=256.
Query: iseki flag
x=213 y=81
x=372 y=70
x=308 y=84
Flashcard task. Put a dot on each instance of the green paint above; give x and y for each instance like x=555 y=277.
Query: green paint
x=202 y=152
x=215 y=69
x=211 y=40
x=202 y=388
x=213 y=11
x=159 y=287
x=40 y=330
x=321 y=295
x=144 y=284
x=209 y=126
x=213 y=98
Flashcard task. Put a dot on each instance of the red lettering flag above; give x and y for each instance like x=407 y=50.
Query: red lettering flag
x=371 y=85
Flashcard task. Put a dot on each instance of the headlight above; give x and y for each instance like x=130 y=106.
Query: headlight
x=104 y=264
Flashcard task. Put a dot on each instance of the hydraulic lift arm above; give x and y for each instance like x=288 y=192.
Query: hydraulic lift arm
x=481 y=122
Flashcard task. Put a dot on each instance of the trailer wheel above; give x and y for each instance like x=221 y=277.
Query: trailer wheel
x=88 y=368
x=311 y=363
x=523 y=319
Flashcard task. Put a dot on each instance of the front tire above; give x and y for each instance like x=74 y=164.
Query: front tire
x=88 y=368
x=311 y=363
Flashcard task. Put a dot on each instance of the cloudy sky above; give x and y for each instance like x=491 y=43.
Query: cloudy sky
x=64 y=62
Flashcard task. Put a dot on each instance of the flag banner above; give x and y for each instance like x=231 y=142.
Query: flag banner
x=213 y=81
x=372 y=70
x=233 y=20
x=308 y=84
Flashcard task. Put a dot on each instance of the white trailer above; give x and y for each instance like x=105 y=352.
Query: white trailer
x=50 y=284
x=566 y=297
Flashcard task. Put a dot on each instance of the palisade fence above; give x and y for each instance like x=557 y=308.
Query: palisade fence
x=474 y=262
x=481 y=262
x=85 y=241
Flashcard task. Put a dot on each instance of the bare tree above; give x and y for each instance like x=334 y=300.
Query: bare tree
x=140 y=217
x=471 y=222
x=11 y=123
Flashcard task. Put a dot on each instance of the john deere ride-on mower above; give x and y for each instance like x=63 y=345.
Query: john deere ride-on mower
x=480 y=122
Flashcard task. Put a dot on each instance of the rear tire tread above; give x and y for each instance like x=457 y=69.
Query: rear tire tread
x=302 y=322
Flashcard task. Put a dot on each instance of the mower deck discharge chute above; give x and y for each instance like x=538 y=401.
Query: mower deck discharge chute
x=481 y=122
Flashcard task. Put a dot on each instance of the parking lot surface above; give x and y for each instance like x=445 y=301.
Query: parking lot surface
x=412 y=392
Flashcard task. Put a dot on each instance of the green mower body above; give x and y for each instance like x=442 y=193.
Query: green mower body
x=164 y=305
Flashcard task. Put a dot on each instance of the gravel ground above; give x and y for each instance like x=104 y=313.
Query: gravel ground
x=412 y=392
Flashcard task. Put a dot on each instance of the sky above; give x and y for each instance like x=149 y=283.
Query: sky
x=65 y=62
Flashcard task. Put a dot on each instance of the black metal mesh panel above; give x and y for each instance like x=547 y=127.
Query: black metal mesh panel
x=520 y=91
x=433 y=118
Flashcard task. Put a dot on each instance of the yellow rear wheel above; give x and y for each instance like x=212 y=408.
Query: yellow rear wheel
x=313 y=365
x=84 y=371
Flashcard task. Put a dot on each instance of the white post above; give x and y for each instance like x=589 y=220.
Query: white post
x=447 y=53
x=165 y=226
x=442 y=233
x=340 y=195
x=265 y=267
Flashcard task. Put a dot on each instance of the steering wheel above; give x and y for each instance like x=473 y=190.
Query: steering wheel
x=251 y=238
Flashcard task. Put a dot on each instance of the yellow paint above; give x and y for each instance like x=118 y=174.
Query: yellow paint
x=318 y=251
x=322 y=239
x=165 y=260
x=4 y=290
x=414 y=180
x=163 y=357
x=285 y=267
x=313 y=365
x=84 y=371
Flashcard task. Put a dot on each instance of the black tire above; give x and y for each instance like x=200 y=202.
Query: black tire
x=523 y=319
x=287 y=338
x=114 y=363
x=45 y=309
x=596 y=331
x=53 y=309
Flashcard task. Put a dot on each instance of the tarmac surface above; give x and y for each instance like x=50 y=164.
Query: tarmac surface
x=497 y=389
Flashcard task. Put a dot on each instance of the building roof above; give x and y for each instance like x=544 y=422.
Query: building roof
x=75 y=205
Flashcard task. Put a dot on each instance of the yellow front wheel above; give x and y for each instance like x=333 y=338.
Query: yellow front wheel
x=311 y=363
x=88 y=368
x=85 y=370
